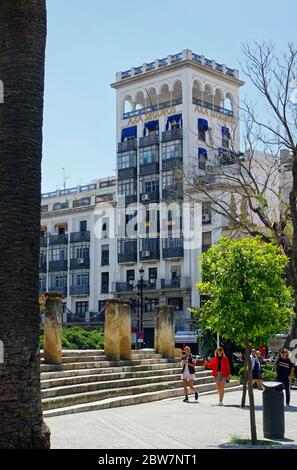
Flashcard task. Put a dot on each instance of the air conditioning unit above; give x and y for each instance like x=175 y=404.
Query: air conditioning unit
x=146 y=254
x=145 y=197
x=80 y=261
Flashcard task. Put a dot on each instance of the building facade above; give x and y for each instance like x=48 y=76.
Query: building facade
x=173 y=116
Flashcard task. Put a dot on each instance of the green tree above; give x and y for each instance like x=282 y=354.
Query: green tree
x=22 y=53
x=248 y=300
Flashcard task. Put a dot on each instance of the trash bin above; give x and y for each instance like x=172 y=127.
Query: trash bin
x=273 y=410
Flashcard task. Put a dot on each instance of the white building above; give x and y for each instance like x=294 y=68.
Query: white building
x=172 y=115
x=77 y=254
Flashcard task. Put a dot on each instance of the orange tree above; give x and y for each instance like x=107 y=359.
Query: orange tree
x=248 y=300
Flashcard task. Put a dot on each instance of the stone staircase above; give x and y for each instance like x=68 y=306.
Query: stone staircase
x=88 y=380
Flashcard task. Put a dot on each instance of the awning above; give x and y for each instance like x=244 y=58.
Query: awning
x=129 y=132
x=202 y=153
x=175 y=118
x=151 y=126
x=202 y=124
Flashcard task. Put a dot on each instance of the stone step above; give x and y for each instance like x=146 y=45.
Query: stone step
x=93 y=357
x=108 y=374
x=95 y=364
x=126 y=400
x=59 y=387
x=111 y=370
x=87 y=396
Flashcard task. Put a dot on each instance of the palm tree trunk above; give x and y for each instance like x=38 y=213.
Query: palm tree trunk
x=22 y=52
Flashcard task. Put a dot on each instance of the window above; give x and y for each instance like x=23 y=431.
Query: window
x=150 y=305
x=175 y=271
x=202 y=158
x=58 y=254
x=104 y=283
x=225 y=137
x=130 y=276
x=126 y=160
x=84 y=201
x=80 y=278
x=80 y=252
x=127 y=187
x=105 y=255
x=206 y=240
x=61 y=230
x=172 y=149
x=206 y=213
x=149 y=185
x=170 y=181
x=81 y=308
x=83 y=226
x=58 y=281
x=176 y=302
x=148 y=155
x=202 y=129
x=153 y=274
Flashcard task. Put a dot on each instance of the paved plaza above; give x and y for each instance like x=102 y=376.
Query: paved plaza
x=167 y=424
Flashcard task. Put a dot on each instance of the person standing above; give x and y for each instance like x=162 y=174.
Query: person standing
x=257 y=369
x=285 y=371
x=221 y=371
x=188 y=373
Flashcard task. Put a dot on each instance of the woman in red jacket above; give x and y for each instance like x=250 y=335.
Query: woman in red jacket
x=221 y=371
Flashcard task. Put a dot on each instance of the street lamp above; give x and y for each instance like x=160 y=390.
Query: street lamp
x=141 y=273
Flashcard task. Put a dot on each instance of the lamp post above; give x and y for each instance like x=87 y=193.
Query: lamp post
x=141 y=273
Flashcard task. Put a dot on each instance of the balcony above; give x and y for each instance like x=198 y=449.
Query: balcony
x=149 y=140
x=58 y=239
x=125 y=173
x=79 y=290
x=43 y=241
x=172 y=134
x=80 y=263
x=58 y=265
x=153 y=196
x=130 y=199
x=176 y=283
x=171 y=192
x=149 y=168
x=170 y=163
x=61 y=290
x=173 y=248
x=128 y=145
x=150 y=249
x=127 y=251
x=76 y=237
x=171 y=284
x=213 y=107
x=123 y=286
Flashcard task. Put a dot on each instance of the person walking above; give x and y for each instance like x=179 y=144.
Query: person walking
x=188 y=373
x=221 y=371
x=285 y=371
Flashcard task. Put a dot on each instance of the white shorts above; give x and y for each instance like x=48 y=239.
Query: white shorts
x=187 y=376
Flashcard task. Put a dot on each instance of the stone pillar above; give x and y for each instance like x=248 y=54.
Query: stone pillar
x=117 y=330
x=53 y=329
x=165 y=330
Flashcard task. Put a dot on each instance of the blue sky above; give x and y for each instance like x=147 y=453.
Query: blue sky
x=90 y=40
